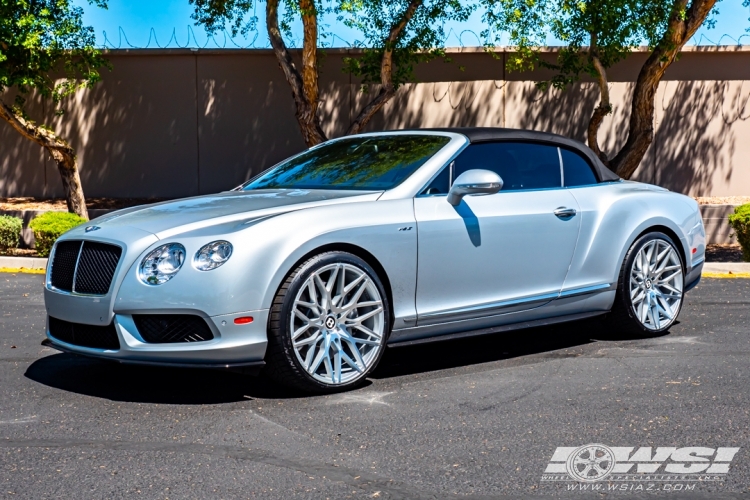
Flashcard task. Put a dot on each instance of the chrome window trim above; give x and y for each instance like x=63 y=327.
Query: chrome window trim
x=585 y=290
x=588 y=163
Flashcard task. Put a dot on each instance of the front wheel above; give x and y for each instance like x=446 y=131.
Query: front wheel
x=650 y=288
x=329 y=323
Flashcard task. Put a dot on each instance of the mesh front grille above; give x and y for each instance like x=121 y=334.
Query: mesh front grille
x=96 y=264
x=64 y=265
x=96 y=268
x=99 y=337
x=172 y=328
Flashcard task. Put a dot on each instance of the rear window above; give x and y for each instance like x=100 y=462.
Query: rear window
x=576 y=170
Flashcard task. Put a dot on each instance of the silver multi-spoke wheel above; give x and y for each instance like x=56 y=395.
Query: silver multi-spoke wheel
x=656 y=284
x=337 y=323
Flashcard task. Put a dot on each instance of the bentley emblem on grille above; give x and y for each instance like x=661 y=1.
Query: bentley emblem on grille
x=92 y=228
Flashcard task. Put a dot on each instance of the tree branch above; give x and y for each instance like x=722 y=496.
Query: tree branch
x=304 y=88
x=604 y=108
x=31 y=131
x=681 y=27
x=310 y=53
x=387 y=88
x=62 y=153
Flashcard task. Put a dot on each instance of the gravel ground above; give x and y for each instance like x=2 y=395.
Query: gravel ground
x=723 y=200
x=476 y=418
x=717 y=252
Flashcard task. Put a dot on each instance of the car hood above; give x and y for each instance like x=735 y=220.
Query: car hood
x=167 y=218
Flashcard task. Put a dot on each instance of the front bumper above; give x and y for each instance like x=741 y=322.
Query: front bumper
x=232 y=346
x=693 y=276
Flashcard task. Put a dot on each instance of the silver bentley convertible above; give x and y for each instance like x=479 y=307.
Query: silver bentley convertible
x=313 y=267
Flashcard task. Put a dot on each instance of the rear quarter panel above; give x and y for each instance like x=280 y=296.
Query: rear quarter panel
x=613 y=215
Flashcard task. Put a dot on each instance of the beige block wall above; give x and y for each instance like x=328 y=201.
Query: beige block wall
x=179 y=122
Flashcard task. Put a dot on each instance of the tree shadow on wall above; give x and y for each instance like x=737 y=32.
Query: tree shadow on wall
x=442 y=104
x=567 y=112
x=694 y=142
x=22 y=162
x=91 y=123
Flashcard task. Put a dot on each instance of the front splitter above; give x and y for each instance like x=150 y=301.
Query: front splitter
x=246 y=368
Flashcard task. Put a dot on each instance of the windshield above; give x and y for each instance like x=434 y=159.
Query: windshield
x=368 y=163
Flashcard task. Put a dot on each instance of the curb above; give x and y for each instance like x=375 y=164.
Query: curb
x=726 y=268
x=37 y=263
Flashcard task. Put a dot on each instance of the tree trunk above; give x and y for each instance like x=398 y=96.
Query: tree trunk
x=61 y=152
x=387 y=89
x=305 y=86
x=67 y=165
x=604 y=108
x=682 y=25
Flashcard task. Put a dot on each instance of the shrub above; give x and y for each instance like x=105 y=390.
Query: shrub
x=51 y=225
x=10 y=231
x=740 y=222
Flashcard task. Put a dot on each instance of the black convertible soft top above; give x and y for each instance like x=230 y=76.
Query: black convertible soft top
x=486 y=134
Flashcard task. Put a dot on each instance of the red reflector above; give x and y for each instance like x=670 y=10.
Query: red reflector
x=243 y=320
x=695 y=250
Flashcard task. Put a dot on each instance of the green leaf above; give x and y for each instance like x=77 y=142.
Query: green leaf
x=45 y=47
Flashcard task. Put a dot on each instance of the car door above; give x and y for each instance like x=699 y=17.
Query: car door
x=497 y=253
x=588 y=270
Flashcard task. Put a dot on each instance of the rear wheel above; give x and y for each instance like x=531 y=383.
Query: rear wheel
x=650 y=289
x=328 y=324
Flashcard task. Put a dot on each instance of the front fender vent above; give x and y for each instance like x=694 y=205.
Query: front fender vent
x=172 y=328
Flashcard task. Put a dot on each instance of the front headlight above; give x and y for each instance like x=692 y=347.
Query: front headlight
x=212 y=255
x=161 y=264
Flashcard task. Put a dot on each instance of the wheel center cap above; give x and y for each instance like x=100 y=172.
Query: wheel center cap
x=330 y=322
x=648 y=284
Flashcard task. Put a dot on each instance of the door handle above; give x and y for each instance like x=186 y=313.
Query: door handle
x=564 y=213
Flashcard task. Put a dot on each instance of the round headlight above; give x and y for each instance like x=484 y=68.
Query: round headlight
x=212 y=255
x=161 y=264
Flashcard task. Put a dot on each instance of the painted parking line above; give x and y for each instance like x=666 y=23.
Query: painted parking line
x=23 y=270
x=725 y=275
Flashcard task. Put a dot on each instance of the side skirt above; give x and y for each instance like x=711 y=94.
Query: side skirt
x=499 y=329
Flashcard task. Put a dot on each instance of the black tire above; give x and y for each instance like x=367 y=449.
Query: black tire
x=282 y=364
x=622 y=319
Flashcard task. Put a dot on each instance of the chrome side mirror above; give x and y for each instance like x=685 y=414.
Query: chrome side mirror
x=474 y=182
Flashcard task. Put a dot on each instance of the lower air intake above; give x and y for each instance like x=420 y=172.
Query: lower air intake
x=172 y=328
x=98 y=337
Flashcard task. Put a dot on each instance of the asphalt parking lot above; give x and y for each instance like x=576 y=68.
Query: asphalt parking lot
x=478 y=417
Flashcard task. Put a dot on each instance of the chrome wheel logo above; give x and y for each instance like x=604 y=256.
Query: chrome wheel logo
x=330 y=322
